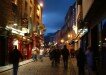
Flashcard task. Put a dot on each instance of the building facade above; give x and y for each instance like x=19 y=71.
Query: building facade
x=68 y=32
x=22 y=21
x=92 y=17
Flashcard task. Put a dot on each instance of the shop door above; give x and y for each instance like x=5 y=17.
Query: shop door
x=103 y=51
x=2 y=50
x=95 y=46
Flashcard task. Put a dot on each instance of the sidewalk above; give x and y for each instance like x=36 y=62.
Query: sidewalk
x=8 y=67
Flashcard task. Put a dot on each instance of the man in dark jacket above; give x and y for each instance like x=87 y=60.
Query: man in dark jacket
x=15 y=57
x=54 y=56
x=65 y=54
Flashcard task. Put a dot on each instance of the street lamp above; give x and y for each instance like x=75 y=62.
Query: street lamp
x=62 y=40
x=68 y=35
x=41 y=4
x=67 y=41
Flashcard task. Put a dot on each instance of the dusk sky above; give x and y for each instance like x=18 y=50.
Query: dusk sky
x=54 y=12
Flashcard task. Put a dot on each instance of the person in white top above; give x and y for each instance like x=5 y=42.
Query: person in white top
x=41 y=54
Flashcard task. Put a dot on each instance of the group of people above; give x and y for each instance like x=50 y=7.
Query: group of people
x=38 y=54
x=83 y=58
x=56 y=53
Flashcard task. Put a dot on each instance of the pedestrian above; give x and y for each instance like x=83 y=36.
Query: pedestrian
x=41 y=54
x=34 y=55
x=80 y=56
x=65 y=54
x=15 y=56
x=54 y=57
x=59 y=55
x=89 y=60
x=72 y=53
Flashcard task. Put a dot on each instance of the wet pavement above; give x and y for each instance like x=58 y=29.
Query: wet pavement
x=45 y=68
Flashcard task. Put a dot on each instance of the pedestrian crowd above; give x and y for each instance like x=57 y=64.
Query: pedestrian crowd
x=84 y=58
x=55 y=56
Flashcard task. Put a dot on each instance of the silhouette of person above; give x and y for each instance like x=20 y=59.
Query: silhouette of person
x=34 y=55
x=59 y=55
x=89 y=59
x=54 y=56
x=80 y=56
x=15 y=57
x=41 y=54
x=65 y=54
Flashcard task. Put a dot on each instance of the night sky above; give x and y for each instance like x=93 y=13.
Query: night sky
x=54 y=12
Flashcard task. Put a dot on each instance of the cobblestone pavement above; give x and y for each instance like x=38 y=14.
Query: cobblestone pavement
x=43 y=68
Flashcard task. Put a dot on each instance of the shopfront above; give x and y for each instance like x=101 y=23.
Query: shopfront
x=98 y=44
x=102 y=46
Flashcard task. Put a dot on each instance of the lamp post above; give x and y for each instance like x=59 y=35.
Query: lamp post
x=69 y=36
x=62 y=41
x=41 y=4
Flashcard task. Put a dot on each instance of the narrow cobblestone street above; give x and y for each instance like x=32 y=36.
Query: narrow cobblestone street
x=43 y=68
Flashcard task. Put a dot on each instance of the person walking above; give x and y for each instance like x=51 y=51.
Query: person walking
x=15 y=57
x=80 y=56
x=59 y=55
x=41 y=54
x=34 y=55
x=65 y=54
x=54 y=57
x=89 y=60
